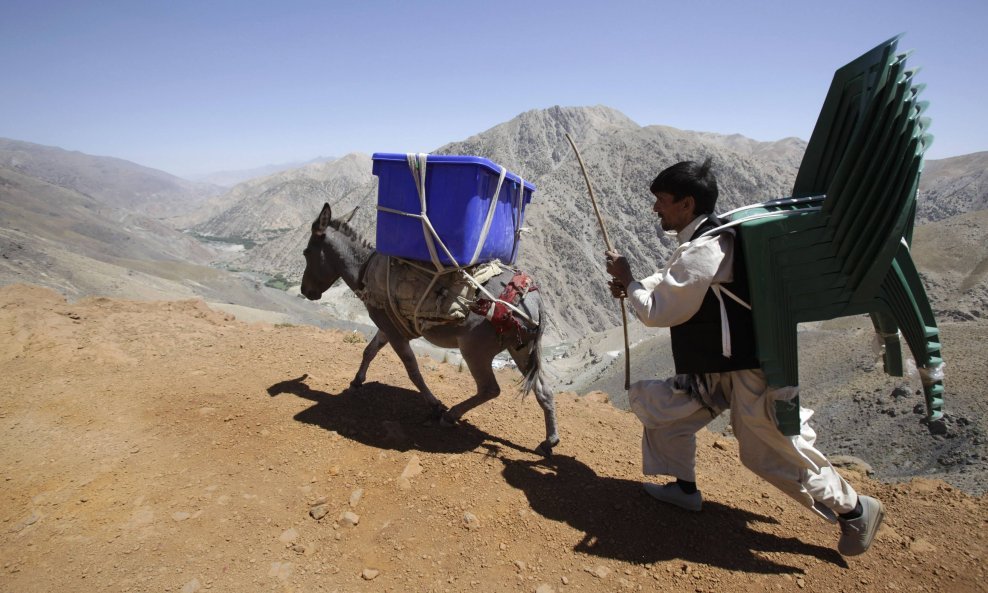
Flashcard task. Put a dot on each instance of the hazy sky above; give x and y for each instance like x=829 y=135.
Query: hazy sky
x=195 y=87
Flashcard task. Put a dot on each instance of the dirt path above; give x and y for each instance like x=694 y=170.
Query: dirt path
x=169 y=447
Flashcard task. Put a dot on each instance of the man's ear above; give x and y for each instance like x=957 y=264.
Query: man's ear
x=319 y=226
x=690 y=204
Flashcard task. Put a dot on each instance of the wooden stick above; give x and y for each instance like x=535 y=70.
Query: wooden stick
x=607 y=243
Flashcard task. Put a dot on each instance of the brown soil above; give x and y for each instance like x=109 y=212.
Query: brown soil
x=168 y=447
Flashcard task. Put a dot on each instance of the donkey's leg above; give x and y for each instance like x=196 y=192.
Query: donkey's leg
x=373 y=347
x=404 y=351
x=524 y=358
x=478 y=354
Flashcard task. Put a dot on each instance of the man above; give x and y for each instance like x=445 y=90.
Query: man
x=701 y=295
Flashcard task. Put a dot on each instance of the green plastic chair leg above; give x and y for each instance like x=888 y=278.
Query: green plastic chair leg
x=888 y=333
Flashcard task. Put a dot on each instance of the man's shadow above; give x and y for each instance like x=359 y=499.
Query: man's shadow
x=621 y=522
x=387 y=417
x=617 y=518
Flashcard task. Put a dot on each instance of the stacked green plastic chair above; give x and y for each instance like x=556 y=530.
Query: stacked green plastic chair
x=840 y=245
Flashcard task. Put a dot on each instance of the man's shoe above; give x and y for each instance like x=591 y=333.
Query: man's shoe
x=856 y=534
x=673 y=494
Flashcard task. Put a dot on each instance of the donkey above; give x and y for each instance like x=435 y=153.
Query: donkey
x=335 y=251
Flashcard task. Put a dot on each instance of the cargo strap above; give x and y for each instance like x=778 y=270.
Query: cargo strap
x=416 y=319
x=717 y=289
x=496 y=310
x=490 y=216
x=417 y=166
x=519 y=204
x=725 y=327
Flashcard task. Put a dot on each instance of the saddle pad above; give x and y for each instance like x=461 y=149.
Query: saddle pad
x=417 y=291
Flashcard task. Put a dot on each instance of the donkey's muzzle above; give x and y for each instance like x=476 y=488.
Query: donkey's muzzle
x=312 y=295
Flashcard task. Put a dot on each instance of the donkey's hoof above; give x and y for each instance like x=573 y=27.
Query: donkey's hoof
x=545 y=448
x=355 y=385
x=436 y=414
x=447 y=420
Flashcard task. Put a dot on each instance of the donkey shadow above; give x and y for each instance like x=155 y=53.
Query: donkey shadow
x=388 y=417
x=618 y=520
x=621 y=522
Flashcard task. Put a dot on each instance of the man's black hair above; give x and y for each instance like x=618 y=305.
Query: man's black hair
x=689 y=179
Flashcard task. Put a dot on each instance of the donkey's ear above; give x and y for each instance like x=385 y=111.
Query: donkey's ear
x=350 y=216
x=319 y=226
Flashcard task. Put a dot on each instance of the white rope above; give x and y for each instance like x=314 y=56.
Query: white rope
x=457 y=267
x=480 y=287
x=418 y=305
x=736 y=298
x=519 y=204
x=735 y=223
x=779 y=202
x=431 y=232
x=490 y=216
x=719 y=291
x=725 y=327
x=417 y=166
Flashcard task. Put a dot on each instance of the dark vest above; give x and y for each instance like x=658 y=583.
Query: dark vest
x=696 y=343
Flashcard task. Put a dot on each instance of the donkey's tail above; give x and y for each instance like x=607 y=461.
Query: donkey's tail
x=534 y=373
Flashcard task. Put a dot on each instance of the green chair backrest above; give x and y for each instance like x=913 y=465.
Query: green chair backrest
x=846 y=253
x=849 y=94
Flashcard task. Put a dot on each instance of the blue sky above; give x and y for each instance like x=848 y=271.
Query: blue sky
x=196 y=87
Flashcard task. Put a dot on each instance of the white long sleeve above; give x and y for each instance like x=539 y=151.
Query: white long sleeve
x=675 y=293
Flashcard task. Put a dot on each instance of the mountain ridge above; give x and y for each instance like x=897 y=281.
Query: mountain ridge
x=622 y=157
x=271 y=214
x=231 y=177
x=113 y=181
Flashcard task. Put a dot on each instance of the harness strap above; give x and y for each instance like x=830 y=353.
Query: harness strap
x=725 y=327
x=498 y=311
x=734 y=223
x=719 y=290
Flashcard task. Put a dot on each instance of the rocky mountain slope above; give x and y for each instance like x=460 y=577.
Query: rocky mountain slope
x=953 y=186
x=231 y=178
x=165 y=446
x=114 y=182
x=87 y=225
x=952 y=256
x=563 y=249
x=82 y=245
x=263 y=209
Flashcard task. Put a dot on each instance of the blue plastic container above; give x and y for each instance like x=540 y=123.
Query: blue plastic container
x=458 y=193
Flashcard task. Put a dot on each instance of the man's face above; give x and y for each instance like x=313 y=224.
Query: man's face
x=674 y=215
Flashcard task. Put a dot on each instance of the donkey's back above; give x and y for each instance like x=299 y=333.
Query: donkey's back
x=506 y=314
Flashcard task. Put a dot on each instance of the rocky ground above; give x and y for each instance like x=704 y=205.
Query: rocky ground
x=167 y=446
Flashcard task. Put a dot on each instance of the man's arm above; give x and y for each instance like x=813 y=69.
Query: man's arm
x=673 y=295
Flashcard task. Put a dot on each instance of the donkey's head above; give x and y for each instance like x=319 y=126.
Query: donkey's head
x=323 y=263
